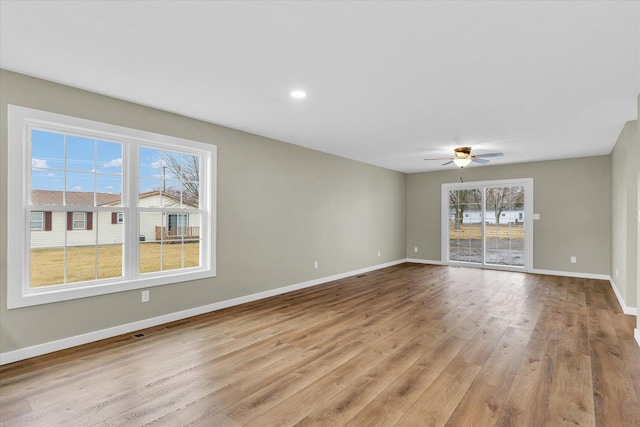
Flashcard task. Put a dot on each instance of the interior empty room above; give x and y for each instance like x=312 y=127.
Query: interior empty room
x=319 y=213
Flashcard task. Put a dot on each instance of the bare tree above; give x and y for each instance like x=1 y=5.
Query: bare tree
x=500 y=199
x=185 y=169
x=460 y=201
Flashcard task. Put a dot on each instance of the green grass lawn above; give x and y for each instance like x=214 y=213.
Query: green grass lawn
x=47 y=265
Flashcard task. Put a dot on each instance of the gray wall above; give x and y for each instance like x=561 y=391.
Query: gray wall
x=280 y=208
x=624 y=203
x=571 y=196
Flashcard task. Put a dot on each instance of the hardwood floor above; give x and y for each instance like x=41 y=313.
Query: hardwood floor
x=410 y=345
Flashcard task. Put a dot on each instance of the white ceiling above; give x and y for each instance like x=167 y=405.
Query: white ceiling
x=388 y=83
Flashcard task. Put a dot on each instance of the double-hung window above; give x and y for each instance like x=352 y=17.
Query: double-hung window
x=123 y=208
x=36 y=221
x=79 y=220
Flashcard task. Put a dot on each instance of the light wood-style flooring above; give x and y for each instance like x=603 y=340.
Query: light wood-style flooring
x=410 y=345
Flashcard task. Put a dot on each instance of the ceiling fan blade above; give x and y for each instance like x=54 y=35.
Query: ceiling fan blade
x=481 y=161
x=490 y=155
x=447 y=163
x=439 y=158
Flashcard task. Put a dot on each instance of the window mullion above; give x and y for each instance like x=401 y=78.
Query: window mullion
x=130 y=189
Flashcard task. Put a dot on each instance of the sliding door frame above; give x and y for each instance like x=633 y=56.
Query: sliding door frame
x=527 y=183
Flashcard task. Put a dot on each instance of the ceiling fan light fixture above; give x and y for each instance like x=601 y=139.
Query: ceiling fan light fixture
x=462 y=162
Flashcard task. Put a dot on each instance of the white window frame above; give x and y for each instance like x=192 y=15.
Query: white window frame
x=527 y=183
x=119 y=217
x=20 y=122
x=41 y=228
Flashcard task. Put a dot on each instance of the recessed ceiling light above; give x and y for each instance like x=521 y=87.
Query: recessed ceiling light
x=298 y=94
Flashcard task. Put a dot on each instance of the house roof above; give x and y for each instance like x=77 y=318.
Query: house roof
x=74 y=198
x=81 y=198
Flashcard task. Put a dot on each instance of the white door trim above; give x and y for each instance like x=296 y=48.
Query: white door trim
x=527 y=183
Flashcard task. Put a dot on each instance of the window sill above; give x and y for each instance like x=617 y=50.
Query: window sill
x=59 y=293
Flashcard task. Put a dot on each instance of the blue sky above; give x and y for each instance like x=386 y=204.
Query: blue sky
x=91 y=164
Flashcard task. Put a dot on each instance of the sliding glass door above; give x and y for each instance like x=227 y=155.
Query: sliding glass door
x=465 y=225
x=488 y=224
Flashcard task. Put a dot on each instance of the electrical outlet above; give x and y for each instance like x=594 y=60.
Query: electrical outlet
x=378 y=253
x=415 y=249
x=145 y=296
x=573 y=260
x=616 y=273
x=315 y=264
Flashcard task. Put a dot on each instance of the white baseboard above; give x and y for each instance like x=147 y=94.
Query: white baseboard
x=570 y=274
x=50 y=347
x=625 y=309
x=425 y=261
x=636 y=334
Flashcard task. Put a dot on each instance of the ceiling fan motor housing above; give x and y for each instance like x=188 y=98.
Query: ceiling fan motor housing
x=463 y=152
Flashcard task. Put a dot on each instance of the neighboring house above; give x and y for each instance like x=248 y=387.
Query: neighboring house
x=49 y=228
x=515 y=217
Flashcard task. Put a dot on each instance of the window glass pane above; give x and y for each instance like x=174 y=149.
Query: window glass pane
x=171 y=196
x=109 y=261
x=191 y=253
x=47 y=150
x=191 y=239
x=109 y=190
x=109 y=158
x=47 y=186
x=80 y=154
x=47 y=266
x=80 y=188
x=505 y=231
x=152 y=164
x=54 y=236
x=150 y=193
x=81 y=247
x=151 y=230
x=465 y=225
x=176 y=174
x=150 y=254
x=81 y=263
x=172 y=255
x=110 y=245
x=191 y=180
x=190 y=195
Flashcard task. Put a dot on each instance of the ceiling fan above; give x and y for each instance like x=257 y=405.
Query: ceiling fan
x=462 y=157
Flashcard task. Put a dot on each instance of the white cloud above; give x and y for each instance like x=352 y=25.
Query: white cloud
x=76 y=188
x=158 y=164
x=38 y=163
x=114 y=163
